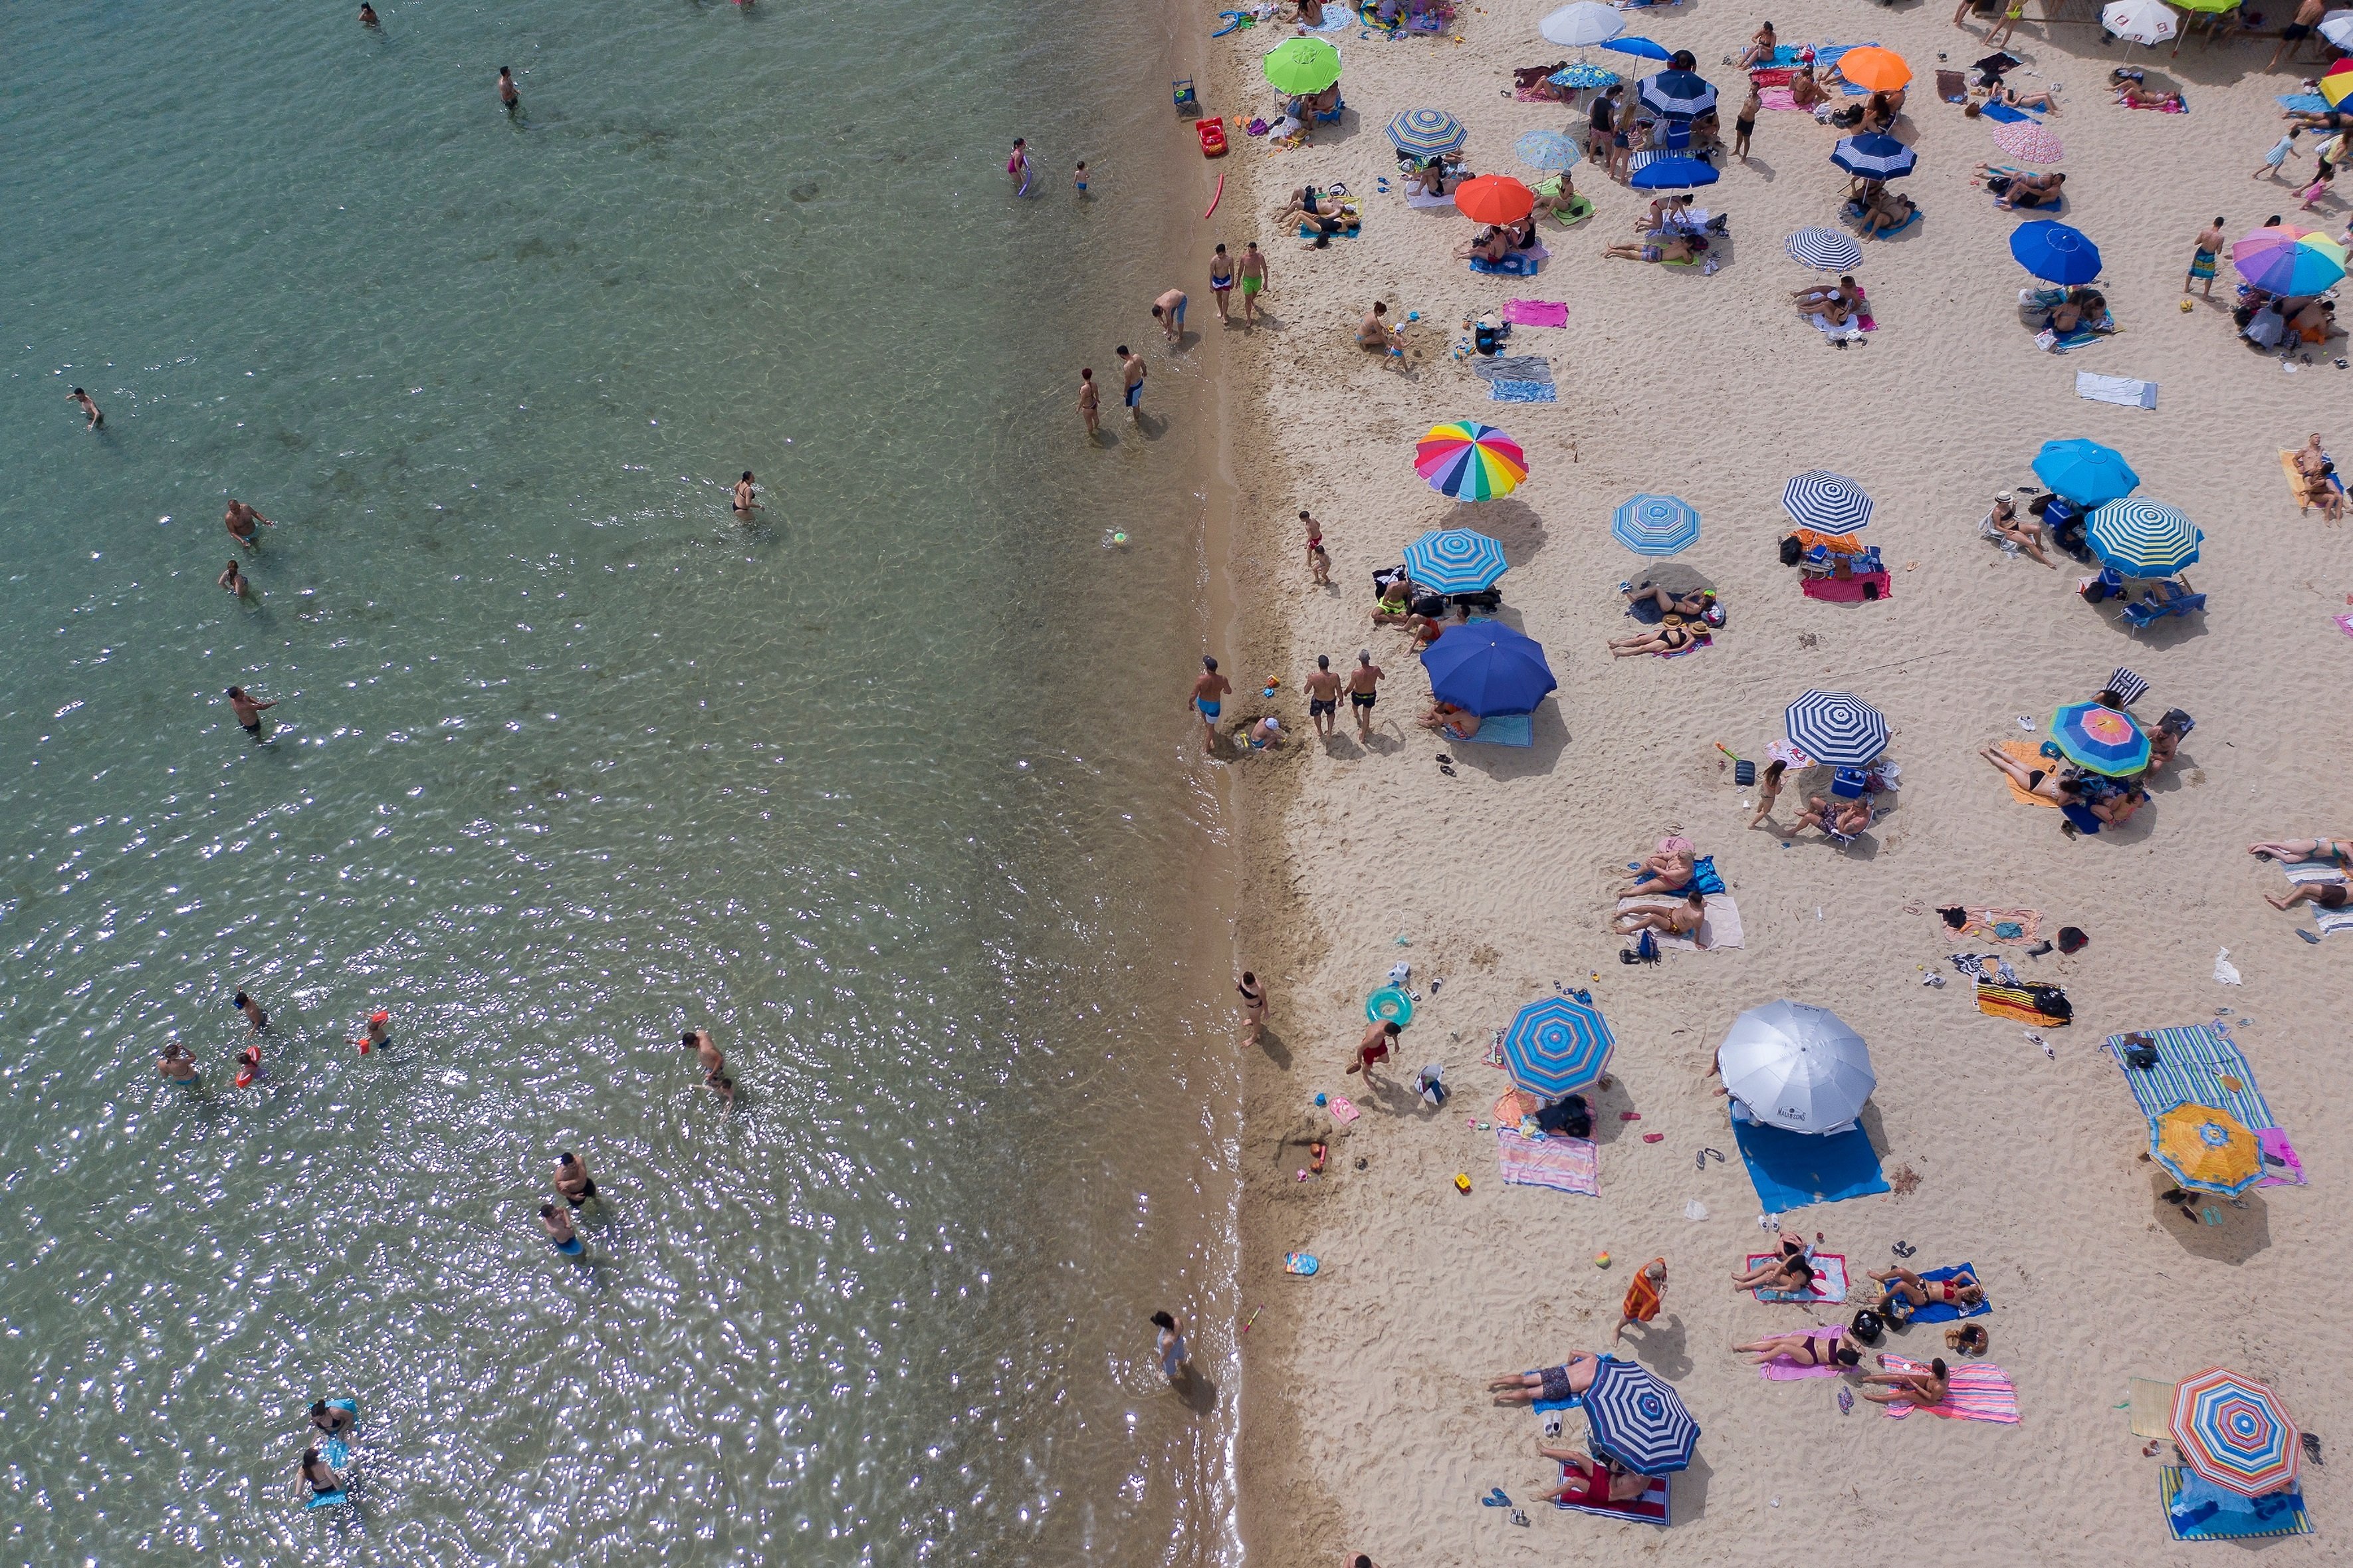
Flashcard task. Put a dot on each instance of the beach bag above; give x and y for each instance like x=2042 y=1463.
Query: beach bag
x=1484 y=599
x=1791 y=551
x=1644 y=951
x=1384 y=575
x=2051 y=1002
x=1867 y=1326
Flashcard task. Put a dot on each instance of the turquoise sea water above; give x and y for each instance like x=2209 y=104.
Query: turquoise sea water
x=891 y=789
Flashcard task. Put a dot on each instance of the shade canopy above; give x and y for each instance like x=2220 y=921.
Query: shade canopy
x=1454 y=561
x=2289 y=261
x=1825 y=248
x=1837 y=727
x=2029 y=142
x=1495 y=198
x=2204 y=1147
x=1869 y=65
x=1674 y=175
x=2147 y=22
x=1301 y=65
x=1677 y=94
x=2235 y=1432
x=2085 y=472
x=1796 y=1067
x=1469 y=461
x=2100 y=738
x=1488 y=668
x=1825 y=503
x=2054 y=253
x=1556 y=1047
x=2142 y=538
x=1426 y=132
x=1581 y=25
x=1655 y=524
x=1874 y=157
x=1639 y=1420
x=1641 y=49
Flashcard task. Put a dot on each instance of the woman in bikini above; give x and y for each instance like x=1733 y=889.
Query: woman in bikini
x=1830 y=1345
x=1761 y=44
x=2056 y=784
x=1550 y=1386
x=1253 y=996
x=1924 y=1389
x=1779 y=1272
x=1907 y=1289
x=1675 y=919
x=2004 y=521
x=1667 y=637
x=2339 y=850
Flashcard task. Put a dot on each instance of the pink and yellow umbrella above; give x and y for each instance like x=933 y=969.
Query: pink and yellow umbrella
x=1469 y=461
x=2338 y=84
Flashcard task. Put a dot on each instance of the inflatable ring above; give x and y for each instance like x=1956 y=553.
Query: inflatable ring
x=1389 y=1005
x=1238 y=18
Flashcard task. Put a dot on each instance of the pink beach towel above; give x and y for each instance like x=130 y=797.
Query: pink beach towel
x=1829 y=1279
x=1977 y=1391
x=2273 y=1143
x=1781 y=1369
x=1563 y=1164
x=1536 y=313
x=1778 y=98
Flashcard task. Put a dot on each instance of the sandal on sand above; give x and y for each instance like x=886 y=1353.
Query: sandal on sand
x=1495 y=1499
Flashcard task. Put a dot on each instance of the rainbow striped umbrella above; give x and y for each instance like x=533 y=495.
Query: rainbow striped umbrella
x=2233 y=1431
x=2289 y=261
x=2100 y=738
x=2336 y=86
x=1469 y=461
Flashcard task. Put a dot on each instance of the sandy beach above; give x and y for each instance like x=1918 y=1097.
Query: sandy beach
x=1365 y=1423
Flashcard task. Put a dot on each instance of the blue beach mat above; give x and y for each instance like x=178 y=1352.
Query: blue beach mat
x=1945 y=1311
x=2004 y=114
x=1542 y=1405
x=1704 y=879
x=1828 y=54
x=2196 y=1510
x=1503 y=730
x=1793 y=1170
x=2304 y=104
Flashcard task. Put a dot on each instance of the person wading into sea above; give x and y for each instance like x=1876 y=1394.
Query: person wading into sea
x=247 y=711
x=82 y=399
x=1207 y=696
x=715 y=1066
x=508 y=95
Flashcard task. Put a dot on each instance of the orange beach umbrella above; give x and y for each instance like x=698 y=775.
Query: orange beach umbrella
x=1495 y=198
x=1881 y=71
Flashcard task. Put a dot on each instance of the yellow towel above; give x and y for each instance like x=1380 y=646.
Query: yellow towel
x=2152 y=1408
x=2030 y=753
x=2296 y=485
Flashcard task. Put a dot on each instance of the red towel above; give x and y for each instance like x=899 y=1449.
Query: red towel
x=1845 y=590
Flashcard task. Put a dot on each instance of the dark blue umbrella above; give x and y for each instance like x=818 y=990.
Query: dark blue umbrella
x=1874 y=157
x=1642 y=47
x=1637 y=1420
x=1557 y=1045
x=2056 y=253
x=1488 y=668
x=1677 y=94
x=1673 y=175
x=1837 y=727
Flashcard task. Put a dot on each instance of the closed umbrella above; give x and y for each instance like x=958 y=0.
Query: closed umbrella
x=1495 y=198
x=1796 y=1067
x=1581 y=25
x=1826 y=249
x=2084 y=471
x=2056 y=253
x=2149 y=22
x=2289 y=261
x=1637 y=1420
x=2235 y=1432
x=1469 y=461
x=1301 y=65
x=1874 y=157
x=2100 y=738
x=2142 y=538
x=1825 y=503
x=2025 y=139
x=2203 y=1147
x=1641 y=49
x=1557 y=1045
x=1673 y=175
x=1837 y=727
x=1426 y=133
x=1869 y=65
x=1655 y=526
x=1677 y=94
x=1488 y=668
x=1547 y=150
x=1454 y=561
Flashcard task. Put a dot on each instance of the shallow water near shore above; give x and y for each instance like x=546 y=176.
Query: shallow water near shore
x=892 y=789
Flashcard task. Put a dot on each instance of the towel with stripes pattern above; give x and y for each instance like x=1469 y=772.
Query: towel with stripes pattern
x=1563 y=1164
x=1975 y=1391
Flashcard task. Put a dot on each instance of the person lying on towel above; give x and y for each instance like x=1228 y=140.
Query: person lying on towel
x=1781 y=1272
x=1906 y=1290
x=1673 y=248
x=1810 y=1347
x=1673 y=920
x=1593 y=1484
x=1454 y=723
x=1923 y=1389
x=1669 y=636
x=1666 y=868
x=1551 y=1385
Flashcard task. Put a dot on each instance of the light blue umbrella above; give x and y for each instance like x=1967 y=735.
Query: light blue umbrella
x=1557 y=1045
x=2086 y=472
x=1673 y=175
x=1426 y=132
x=1641 y=47
x=1547 y=150
x=1454 y=561
x=1655 y=524
x=2142 y=538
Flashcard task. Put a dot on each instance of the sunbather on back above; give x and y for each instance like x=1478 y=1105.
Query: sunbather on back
x=2057 y=784
x=1907 y=1289
x=1552 y=1384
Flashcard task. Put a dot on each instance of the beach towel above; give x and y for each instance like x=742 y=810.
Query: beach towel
x=1781 y=1369
x=2296 y=486
x=2232 y=1517
x=1827 y=55
x=1949 y=1312
x=1777 y=98
x=1653 y=1507
x=1952 y=87
x=1765 y=77
x=2195 y=1064
x=1847 y=589
x=2028 y=1004
x=2052 y=342
x=1510 y=367
x=2303 y=103
x=2152 y=1408
x=1563 y=1164
x=2003 y=114
x=1523 y=392
x=1536 y=313
x=1519 y=264
x=1719 y=923
x=2180 y=107
x=1502 y=730
x=1975 y=1391
x=1513 y=1106
x=1791 y=1169
x=1334 y=18
x=1421 y=198
x=1860 y=324
x=2029 y=754
x=1830 y=1280
x=1344 y=1110
x=2017 y=926
x=2301 y=872
x=2122 y=391
x=2331 y=921
x=1704 y=879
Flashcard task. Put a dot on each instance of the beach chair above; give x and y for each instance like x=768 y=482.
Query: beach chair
x=1339 y=107
x=2168 y=599
x=1187 y=100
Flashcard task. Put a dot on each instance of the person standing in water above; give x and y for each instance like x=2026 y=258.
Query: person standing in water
x=232 y=579
x=1221 y=283
x=557 y=1223
x=249 y=712
x=1168 y=1343
x=240 y=519
x=82 y=400
x=745 y=489
x=367 y=16
x=177 y=1065
x=715 y=1066
x=1254 y=279
x=1207 y=696
x=1090 y=402
x=1017 y=165
x=321 y=1476
x=378 y=1032
x=1323 y=697
x=1079 y=179
x=508 y=97
x=1131 y=367
x=1253 y=996
x=256 y=1019
x=573 y=1182
x=1169 y=312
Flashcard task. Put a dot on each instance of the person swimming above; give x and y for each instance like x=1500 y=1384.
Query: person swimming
x=321 y=1476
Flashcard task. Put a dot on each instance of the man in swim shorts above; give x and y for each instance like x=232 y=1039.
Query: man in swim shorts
x=247 y=711
x=1323 y=697
x=1254 y=279
x=573 y=1182
x=82 y=399
x=1380 y=1039
x=240 y=519
x=1362 y=683
x=1221 y=282
x=508 y=95
x=715 y=1066
x=1550 y=1384
x=1131 y=367
x=367 y=16
x=557 y=1223
x=2308 y=16
x=1207 y=698
x=1169 y=312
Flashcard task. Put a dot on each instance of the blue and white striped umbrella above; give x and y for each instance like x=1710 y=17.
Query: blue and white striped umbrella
x=1874 y=157
x=1454 y=561
x=1547 y=150
x=1584 y=73
x=1837 y=728
x=1426 y=132
x=1655 y=524
x=1641 y=48
x=1557 y=1045
x=1678 y=95
x=1826 y=249
x=2142 y=538
x=1670 y=171
x=1825 y=503
x=1637 y=1420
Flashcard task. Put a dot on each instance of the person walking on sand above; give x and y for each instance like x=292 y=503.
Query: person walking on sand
x=2276 y=159
x=1319 y=564
x=1253 y=996
x=1363 y=682
x=508 y=97
x=1380 y=1039
x=1207 y=696
x=232 y=579
x=1643 y=1297
x=82 y=400
x=1254 y=281
x=745 y=489
x=1221 y=283
x=1169 y=1344
x=1768 y=790
x=1323 y=697
x=1130 y=370
x=1090 y=402
x=2308 y=16
x=2207 y=251
x=240 y=519
x=1016 y=166
x=249 y=712
x=1169 y=312
x=715 y=1066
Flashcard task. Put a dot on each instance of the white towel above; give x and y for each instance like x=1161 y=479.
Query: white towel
x=1420 y=198
x=1719 y=923
x=2117 y=389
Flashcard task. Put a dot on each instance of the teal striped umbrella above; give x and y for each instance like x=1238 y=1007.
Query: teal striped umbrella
x=1655 y=526
x=1426 y=133
x=2142 y=538
x=1454 y=561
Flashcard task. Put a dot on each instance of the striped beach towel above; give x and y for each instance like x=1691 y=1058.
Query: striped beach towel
x=2022 y=1003
x=1653 y=1507
x=2303 y=871
x=2195 y=1065
x=1563 y=1164
x=1977 y=1391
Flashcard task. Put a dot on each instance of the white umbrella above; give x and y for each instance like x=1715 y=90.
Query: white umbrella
x=1796 y=1067
x=2337 y=28
x=1583 y=25
x=2141 y=21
